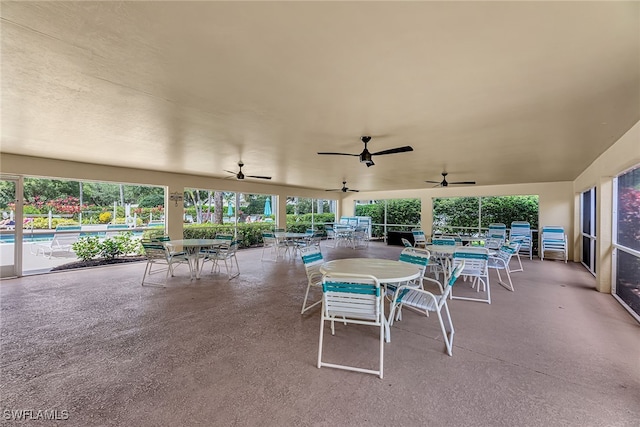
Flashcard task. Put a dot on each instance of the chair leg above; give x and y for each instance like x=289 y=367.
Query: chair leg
x=320 y=340
x=448 y=337
x=383 y=328
x=304 y=303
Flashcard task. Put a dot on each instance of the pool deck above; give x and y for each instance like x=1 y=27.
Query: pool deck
x=32 y=263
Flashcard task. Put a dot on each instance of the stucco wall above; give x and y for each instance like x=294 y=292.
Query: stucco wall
x=624 y=154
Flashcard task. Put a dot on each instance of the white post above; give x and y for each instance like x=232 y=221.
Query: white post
x=50 y=220
x=115 y=205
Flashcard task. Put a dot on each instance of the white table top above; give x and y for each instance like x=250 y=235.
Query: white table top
x=190 y=243
x=385 y=270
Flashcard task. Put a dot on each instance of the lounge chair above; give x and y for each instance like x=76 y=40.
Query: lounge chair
x=63 y=239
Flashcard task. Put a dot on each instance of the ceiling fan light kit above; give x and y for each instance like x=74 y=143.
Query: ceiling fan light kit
x=344 y=188
x=366 y=156
x=445 y=183
x=239 y=175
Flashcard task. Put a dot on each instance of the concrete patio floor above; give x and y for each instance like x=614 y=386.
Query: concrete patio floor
x=214 y=352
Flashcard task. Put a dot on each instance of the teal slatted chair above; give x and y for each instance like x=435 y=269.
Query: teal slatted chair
x=553 y=239
x=521 y=230
x=418 y=257
x=352 y=299
x=312 y=259
x=158 y=254
x=424 y=302
x=500 y=261
x=419 y=239
x=496 y=236
x=476 y=268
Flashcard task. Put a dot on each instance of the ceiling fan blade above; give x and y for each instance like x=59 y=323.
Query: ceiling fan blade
x=334 y=189
x=258 y=176
x=355 y=191
x=340 y=154
x=434 y=182
x=393 y=150
x=463 y=182
x=231 y=172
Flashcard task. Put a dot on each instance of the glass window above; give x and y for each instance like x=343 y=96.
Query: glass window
x=627 y=238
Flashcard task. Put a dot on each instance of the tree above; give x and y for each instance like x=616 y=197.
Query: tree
x=218 y=198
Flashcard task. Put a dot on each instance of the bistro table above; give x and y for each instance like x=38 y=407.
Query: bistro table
x=292 y=239
x=192 y=248
x=385 y=270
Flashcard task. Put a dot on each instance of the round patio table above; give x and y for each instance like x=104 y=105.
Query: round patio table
x=385 y=270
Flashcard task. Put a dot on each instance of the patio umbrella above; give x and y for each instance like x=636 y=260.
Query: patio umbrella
x=229 y=210
x=267 y=206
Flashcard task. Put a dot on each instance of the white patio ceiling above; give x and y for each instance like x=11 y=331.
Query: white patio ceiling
x=496 y=92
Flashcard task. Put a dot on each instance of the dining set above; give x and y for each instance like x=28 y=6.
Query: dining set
x=357 y=290
x=167 y=254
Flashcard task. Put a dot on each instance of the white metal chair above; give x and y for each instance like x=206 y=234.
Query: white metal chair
x=312 y=259
x=500 y=261
x=406 y=243
x=418 y=257
x=425 y=302
x=331 y=236
x=62 y=243
x=158 y=254
x=476 y=260
x=227 y=254
x=496 y=236
x=270 y=243
x=419 y=239
x=517 y=243
x=352 y=299
x=360 y=238
x=522 y=230
x=553 y=239
x=446 y=241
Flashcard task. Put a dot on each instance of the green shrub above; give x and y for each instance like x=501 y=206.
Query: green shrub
x=87 y=247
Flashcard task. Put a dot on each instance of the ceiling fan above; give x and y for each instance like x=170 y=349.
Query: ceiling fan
x=365 y=156
x=445 y=183
x=344 y=188
x=240 y=175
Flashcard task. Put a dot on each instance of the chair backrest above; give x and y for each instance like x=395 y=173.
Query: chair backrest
x=224 y=236
x=311 y=257
x=520 y=228
x=351 y=296
x=416 y=256
x=268 y=238
x=330 y=232
x=445 y=241
x=70 y=234
x=497 y=230
x=506 y=252
x=406 y=243
x=475 y=259
x=154 y=249
x=418 y=236
x=553 y=232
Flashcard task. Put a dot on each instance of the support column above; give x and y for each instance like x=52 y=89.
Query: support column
x=281 y=216
x=604 y=237
x=426 y=215
x=174 y=211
